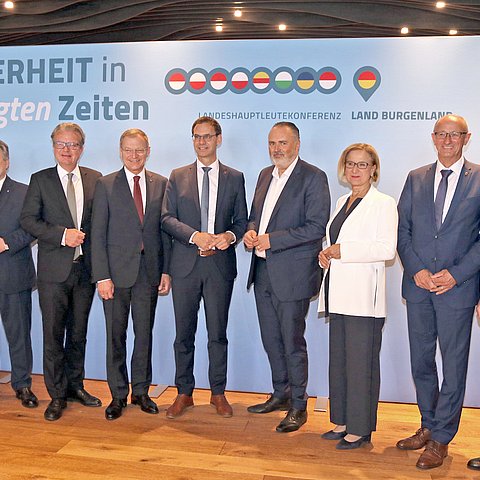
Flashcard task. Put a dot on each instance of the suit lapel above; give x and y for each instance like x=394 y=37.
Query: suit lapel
x=57 y=186
x=150 y=191
x=429 y=192
x=459 y=195
x=125 y=194
x=261 y=193
x=193 y=185
x=222 y=184
x=290 y=186
x=4 y=193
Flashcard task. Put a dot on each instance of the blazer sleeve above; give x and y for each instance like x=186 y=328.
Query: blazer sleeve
x=100 y=214
x=17 y=240
x=412 y=263
x=31 y=218
x=317 y=211
x=170 y=223
x=383 y=244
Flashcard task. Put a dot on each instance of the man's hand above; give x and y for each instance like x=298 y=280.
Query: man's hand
x=73 y=237
x=204 y=240
x=165 y=284
x=3 y=245
x=223 y=240
x=250 y=239
x=443 y=281
x=423 y=279
x=263 y=242
x=105 y=289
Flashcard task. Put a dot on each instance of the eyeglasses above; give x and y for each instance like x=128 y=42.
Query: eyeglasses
x=207 y=137
x=360 y=165
x=452 y=135
x=70 y=145
x=137 y=151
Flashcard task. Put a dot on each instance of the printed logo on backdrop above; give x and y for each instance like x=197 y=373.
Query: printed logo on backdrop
x=305 y=80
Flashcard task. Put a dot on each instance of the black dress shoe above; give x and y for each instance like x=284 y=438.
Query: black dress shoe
x=54 y=409
x=331 y=435
x=114 y=410
x=82 y=396
x=293 y=421
x=344 y=445
x=28 y=398
x=146 y=403
x=474 y=463
x=272 y=404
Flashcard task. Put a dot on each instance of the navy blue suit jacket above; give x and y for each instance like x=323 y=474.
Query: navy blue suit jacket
x=181 y=217
x=455 y=247
x=17 y=272
x=296 y=228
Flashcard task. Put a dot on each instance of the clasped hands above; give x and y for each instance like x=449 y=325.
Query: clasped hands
x=328 y=253
x=207 y=241
x=437 y=283
x=260 y=242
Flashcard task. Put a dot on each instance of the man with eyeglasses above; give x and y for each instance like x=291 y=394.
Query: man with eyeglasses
x=287 y=222
x=206 y=213
x=57 y=210
x=130 y=256
x=439 y=245
x=17 y=277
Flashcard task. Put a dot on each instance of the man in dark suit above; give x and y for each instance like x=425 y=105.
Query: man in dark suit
x=206 y=213
x=130 y=265
x=439 y=245
x=290 y=210
x=57 y=211
x=17 y=277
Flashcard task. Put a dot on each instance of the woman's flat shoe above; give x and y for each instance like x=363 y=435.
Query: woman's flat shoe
x=331 y=435
x=344 y=445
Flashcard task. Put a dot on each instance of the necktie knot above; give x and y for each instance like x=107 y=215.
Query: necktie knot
x=136 y=178
x=445 y=173
x=206 y=169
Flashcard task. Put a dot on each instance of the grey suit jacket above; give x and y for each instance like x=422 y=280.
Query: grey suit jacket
x=456 y=246
x=118 y=234
x=296 y=228
x=46 y=215
x=181 y=217
x=17 y=272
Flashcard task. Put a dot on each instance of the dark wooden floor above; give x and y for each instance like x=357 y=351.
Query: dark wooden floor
x=201 y=445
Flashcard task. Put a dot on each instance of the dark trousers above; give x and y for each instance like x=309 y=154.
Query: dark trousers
x=65 y=308
x=282 y=327
x=207 y=283
x=354 y=371
x=428 y=321
x=141 y=298
x=16 y=313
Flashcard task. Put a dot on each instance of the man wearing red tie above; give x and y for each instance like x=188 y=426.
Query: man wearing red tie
x=130 y=265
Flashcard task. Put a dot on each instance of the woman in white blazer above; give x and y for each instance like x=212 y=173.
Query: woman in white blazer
x=361 y=236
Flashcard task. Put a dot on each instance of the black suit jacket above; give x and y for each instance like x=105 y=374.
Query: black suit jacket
x=46 y=215
x=296 y=228
x=118 y=234
x=181 y=217
x=17 y=272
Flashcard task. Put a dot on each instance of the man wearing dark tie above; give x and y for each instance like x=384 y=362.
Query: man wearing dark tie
x=439 y=245
x=17 y=277
x=57 y=211
x=287 y=222
x=206 y=213
x=130 y=257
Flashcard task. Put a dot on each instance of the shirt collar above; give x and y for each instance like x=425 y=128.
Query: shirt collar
x=455 y=168
x=130 y=175
x=214 y=166
x=63 y=173
x=2 y=181
x=286 y=174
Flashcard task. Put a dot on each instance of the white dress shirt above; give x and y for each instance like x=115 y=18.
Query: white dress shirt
x=452 y=182
x=275 y=188
x=78 y=187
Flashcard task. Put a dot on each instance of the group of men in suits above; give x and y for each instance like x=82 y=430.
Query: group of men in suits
x=136 y=235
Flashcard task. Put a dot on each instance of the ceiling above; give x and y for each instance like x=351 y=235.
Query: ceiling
x=44 y=22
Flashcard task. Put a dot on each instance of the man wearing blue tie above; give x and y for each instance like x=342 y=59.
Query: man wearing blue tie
x=439 y=245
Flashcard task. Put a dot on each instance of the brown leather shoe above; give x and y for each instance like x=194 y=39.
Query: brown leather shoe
x=474 y=463
x=220 y=402
x=416 y=441
x=179 y=406
x=433 y=455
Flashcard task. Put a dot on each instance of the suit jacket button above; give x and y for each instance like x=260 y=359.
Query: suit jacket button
x=436 y=236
